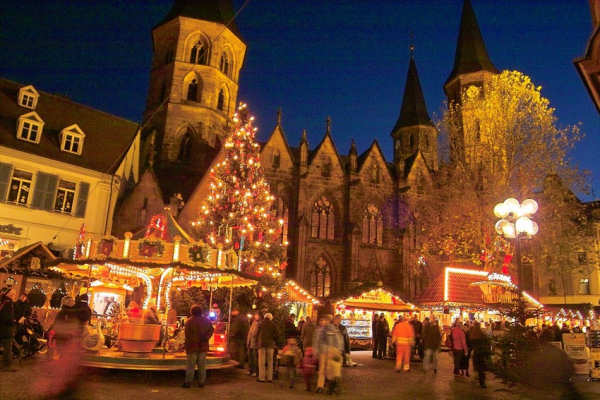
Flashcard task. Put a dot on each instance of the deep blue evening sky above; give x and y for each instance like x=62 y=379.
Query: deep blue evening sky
x=343 y=58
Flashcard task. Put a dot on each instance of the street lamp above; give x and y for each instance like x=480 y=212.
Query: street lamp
x=515 y=222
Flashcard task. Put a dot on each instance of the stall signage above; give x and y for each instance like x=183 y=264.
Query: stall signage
x=575 y=345
x=373 y=297
x=11 y=229
x=500 y=277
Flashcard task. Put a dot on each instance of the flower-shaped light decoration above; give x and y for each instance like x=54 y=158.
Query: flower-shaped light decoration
x=515 y=218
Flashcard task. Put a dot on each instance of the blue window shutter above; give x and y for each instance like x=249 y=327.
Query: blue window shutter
x=5 y=171
x=41 y=181
x=84 y=189
x=51 y=185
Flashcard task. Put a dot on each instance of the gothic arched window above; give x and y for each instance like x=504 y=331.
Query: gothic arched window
x=185 y=148
x=192 y=92
x=320 y=278
x=276 y=159
x=372 y=226
x=225 y=65
x=375 y=174
x=199 y=53
x=221 y=100
x=282 y=212
x=322 y=219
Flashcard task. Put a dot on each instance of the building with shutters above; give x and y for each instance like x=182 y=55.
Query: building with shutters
x=62 y=166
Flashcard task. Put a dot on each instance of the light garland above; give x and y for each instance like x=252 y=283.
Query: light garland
x=465 y=271
x=134 y=272
x=160 y=286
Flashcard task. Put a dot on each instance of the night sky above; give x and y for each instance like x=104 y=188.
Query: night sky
x=342 y=58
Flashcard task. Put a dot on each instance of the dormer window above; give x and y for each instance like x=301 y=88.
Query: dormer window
x=71 y=139
x=28 y=97
x=29 y=127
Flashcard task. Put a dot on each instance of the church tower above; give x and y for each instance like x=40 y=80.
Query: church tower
x=198 y=54
x=414 y=131
x=472 y=67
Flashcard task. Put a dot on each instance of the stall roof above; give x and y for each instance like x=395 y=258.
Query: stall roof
x=459 y=286
x=378 y=299
x=292 y=291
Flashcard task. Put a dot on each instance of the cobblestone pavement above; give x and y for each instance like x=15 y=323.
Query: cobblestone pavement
x=372 y=379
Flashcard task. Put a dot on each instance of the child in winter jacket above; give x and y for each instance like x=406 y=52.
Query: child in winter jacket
x=291 y=355
x=308 y=366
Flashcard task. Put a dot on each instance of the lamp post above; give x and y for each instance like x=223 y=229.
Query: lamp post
x=515 y=222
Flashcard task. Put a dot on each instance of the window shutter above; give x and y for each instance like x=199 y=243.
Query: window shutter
x=50 y=193
x=41 y=181
x=5 y=171
x=84 y=189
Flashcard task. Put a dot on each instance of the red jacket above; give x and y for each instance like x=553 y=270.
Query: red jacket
x=198 y=331
x=459 y=340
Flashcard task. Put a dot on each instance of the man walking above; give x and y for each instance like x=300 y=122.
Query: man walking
x=198 y=331
x=403 y=336
x=432 y=339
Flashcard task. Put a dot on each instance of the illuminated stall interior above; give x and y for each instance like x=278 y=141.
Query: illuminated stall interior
x=357 y=313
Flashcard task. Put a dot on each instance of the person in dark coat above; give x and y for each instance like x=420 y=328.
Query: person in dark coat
x=7 y=325
x=267 y=341
x=432 y=340
x=418 y=346
x=238 y=336
x=480 y=344
x=374 y=327
x=198 y=330
x=22 y=308
x=383 y=331
x=290 y=328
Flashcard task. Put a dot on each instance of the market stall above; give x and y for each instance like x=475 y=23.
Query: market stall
x=468 y=293
x=357 y=313
x=147 y=270
x=301 y=303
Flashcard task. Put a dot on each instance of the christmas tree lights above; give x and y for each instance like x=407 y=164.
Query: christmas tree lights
x=238 y=210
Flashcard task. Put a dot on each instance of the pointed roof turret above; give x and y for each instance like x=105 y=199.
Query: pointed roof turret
x=353 y=148
x=414 y=110
x=220 y=11
x=471 y=55
x=303 y=139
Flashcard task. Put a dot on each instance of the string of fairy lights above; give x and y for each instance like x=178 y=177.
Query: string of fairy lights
x=237 y=213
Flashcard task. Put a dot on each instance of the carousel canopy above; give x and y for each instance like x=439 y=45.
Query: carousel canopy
x=378 y=300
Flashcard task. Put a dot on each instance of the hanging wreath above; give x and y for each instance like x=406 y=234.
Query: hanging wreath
x=198 y=253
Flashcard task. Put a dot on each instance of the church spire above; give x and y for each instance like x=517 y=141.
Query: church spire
x=471 y=54
x=220 y=11
x=414 y=110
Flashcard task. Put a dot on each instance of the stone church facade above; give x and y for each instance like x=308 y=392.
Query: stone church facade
x=346 y=216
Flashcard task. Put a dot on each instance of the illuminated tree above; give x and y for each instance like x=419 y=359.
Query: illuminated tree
x=237 y=213
x=501 y=140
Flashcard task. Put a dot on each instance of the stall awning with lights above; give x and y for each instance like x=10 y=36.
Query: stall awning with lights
x=470 y=287
x=378 y=300
x=293 y=292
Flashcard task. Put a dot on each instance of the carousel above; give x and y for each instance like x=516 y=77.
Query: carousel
x=147 y=271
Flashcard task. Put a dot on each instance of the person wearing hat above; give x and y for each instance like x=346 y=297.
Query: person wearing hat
x=7 y=325
x=267 y=339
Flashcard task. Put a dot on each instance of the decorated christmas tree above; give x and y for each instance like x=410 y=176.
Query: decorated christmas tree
x=238 y=211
